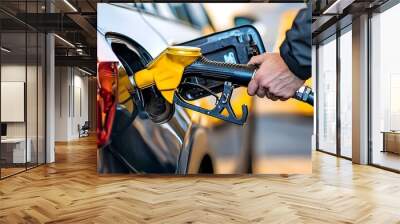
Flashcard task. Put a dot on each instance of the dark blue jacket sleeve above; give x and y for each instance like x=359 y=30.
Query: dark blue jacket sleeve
x=296 y=49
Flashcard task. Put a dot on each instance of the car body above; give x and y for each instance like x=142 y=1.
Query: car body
x=188 y=142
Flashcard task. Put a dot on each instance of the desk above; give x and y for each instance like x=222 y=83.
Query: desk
x=13 y=150
x=391 y=141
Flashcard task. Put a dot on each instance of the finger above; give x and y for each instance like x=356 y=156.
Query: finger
x=252 y=87
x=261 y=92
x=284 y=98
x=274 y=98
x=256 y=60
x=268 y=94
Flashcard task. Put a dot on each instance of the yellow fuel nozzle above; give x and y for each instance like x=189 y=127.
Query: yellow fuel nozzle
x=166 y=70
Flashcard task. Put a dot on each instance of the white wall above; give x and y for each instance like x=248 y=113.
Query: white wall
x=13 y=73
x=71 y=94
x=61 y=103
x=80 y=85
x=33 y=126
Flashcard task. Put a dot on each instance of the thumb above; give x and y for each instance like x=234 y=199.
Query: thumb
x=256 y=60
x=252 y=87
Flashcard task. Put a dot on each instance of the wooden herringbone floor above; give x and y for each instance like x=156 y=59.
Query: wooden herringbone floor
x=70 y=191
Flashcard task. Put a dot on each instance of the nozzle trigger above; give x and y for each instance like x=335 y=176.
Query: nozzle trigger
x=223 y=102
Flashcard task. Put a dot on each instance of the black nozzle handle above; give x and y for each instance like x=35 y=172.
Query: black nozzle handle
x=237 y=74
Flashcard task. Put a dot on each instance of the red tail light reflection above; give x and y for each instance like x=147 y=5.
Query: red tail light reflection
x=107 y=87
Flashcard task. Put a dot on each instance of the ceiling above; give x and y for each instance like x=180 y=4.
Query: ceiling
x=74 y=22
x=329 y=16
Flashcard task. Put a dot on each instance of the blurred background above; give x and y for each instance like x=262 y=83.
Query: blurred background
x=283 y=129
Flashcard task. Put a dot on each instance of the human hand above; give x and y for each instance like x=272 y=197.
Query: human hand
x=273 y=78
